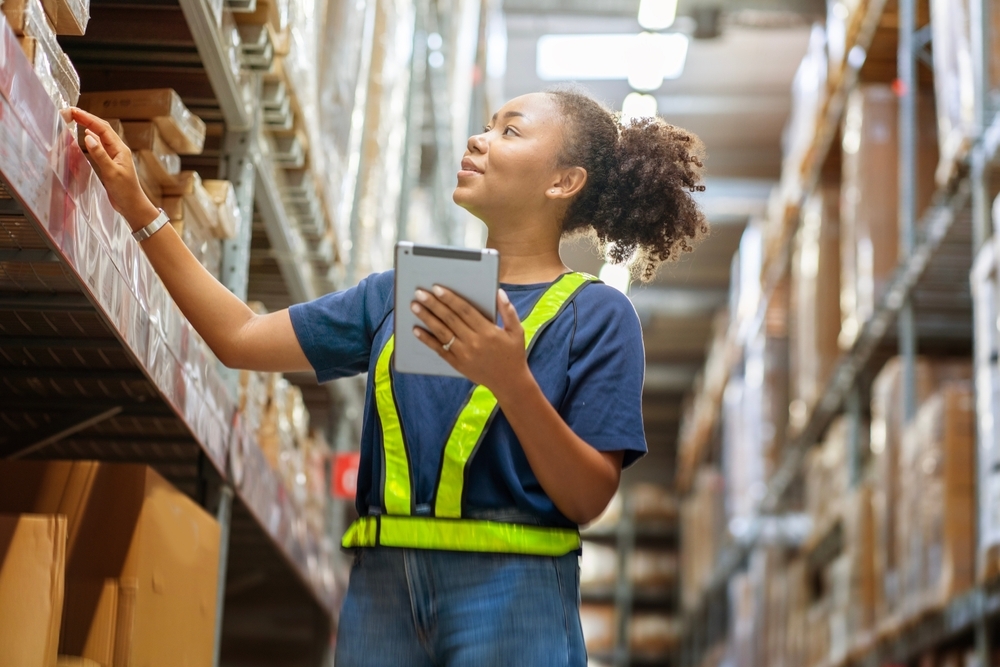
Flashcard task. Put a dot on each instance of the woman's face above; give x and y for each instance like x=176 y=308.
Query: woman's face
x=511 y=167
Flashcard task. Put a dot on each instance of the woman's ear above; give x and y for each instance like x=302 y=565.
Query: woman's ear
x=570 y=182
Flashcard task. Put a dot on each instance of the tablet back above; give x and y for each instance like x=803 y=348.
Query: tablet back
x=472 y=274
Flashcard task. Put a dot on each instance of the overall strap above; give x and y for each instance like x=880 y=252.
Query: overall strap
x=474 y=419
x=470 y=425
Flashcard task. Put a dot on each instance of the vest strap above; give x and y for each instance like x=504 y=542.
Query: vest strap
x=410 y=532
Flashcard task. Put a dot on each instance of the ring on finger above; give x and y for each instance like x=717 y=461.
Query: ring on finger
x=447 y=346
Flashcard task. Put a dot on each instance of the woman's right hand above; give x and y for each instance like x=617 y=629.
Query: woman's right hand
x=112 y=160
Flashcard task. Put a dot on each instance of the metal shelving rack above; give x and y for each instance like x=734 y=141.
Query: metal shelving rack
x=97 y=362
x=626 y=535
x=955 y=227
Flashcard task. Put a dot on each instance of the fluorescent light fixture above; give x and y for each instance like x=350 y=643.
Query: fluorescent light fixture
x=657 y=14
x=617 y=276
x=638 y=105
x=647 y=58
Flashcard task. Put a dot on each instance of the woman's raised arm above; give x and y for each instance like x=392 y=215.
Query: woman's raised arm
x=236 y=335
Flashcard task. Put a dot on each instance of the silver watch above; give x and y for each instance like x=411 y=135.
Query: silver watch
x=153 y=227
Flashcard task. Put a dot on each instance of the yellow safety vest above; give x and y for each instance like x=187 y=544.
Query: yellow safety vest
x=446 y=529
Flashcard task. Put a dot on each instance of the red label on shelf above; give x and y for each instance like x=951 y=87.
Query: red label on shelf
x=345 y=475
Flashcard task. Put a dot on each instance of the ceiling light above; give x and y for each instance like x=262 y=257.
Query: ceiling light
x=638 y=105
x=657 y=14
x=647 y=58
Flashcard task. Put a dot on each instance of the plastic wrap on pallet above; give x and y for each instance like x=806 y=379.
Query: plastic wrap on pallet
x=986 y=295
x=954 y=80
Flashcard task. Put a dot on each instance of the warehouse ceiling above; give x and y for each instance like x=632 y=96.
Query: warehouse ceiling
x=735 y=93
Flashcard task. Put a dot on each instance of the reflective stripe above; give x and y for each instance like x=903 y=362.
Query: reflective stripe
x=460 y=535
x=396 y=468
x=475 y=416
x=446 y=530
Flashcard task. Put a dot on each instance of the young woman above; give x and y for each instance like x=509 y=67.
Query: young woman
x=471 y=492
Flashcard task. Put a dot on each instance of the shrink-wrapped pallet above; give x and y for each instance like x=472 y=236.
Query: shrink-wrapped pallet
x=869 y=206
x=598 y=567
x=985 y=293
x=954 y=78
x=815 y=302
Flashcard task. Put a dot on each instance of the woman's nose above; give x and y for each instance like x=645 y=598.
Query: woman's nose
x=477 y=143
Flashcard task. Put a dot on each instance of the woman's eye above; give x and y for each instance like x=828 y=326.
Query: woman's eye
x=486 y=129
x=506 y=130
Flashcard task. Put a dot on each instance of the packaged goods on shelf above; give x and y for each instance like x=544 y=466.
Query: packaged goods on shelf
x=32 y=573
x=652 y=568
x=273 y=14
x=985 y=293
x=224 y=195
x=703 y=533
x=652 y=634
x=858 y=571
x=182 y=130
x=892 y=481
x=38 y=41
x=70 y=17
x=744 y=620
x=598 y=621
x=161 y=163
x=598 y=567
x=936 y=524
x=815 y=296
x=954 y=79
x=192 y=217
x=116 y=126
x=827 y=479
x=869 y=237
x=652 y=503
x=158 y=548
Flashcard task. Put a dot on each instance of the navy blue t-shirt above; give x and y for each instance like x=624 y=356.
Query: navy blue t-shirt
x=588 y=362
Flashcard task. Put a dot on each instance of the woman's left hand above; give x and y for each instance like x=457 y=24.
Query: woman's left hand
x=481 y=351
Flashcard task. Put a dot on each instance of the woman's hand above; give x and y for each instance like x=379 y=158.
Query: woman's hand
x=481 y=351
x=112 y=160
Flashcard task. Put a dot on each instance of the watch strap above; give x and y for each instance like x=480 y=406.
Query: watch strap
x=156 y=225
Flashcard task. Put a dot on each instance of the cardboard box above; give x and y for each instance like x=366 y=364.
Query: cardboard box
x=126 y=523
x=815 y=301
x=598 y=621
x=183 y=131
x=870 y=200
x=163 y=164
x=32 y=571
x=70 y=17
x=116 y=127
x=224 y=195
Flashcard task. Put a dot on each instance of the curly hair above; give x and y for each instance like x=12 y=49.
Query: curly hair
x=640 y=179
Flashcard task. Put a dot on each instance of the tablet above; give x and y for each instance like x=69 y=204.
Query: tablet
x=472 y=274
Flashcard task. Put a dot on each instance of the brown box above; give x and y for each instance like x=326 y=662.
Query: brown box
x=32 y=570
x=70 y=17
x=870 y=199
x=163 y=164
x=224 y=195
x=598 y=621
x=126 y=523
x=183 y=131
x=815 y=302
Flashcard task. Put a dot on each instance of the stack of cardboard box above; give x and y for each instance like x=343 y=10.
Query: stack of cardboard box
x=703 y=534
x=139 y=560
x=37 y=23
x=159 y=129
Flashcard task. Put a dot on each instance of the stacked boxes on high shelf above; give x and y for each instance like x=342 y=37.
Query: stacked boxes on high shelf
x=273 y=410
x=36 y=24
x=159 y=129
x=289 y=98
x=651 y=573
x=891 y=502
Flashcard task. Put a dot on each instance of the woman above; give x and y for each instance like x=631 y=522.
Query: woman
x=467 y=550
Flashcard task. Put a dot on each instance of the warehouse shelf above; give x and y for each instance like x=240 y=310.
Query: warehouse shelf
x=831 y=108
x=102 y=364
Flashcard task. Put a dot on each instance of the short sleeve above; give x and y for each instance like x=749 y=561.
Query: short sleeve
x=336 y=330
x=603 y=402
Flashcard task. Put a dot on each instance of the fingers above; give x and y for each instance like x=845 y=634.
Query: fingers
x=508 y=314
x=465 y=311
x=445 y=313
x=434 y=325
x=101 y=129
x=97 y=151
